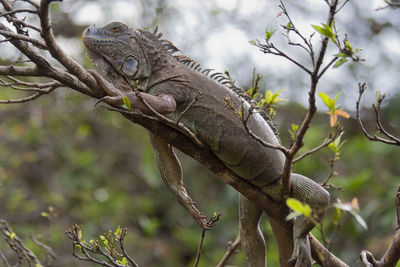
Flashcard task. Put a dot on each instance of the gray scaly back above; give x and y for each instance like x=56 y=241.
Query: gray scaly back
x=222 y=78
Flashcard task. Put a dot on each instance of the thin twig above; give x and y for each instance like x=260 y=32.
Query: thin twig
x=35 y=42
x=178 y=125
x=326 y=143
x=3 y=14
x=188 y=107
x=211 y=222
x=269 y=48
x=16 y=244
x=121 y=243
x=51 y=256
x=343 y=4
x=331 y=170
x=338 y=225
x=381 y=129
x=38 y=88
x=259 y=139
x=393 y=140
x=30 y=2
x=293 y=28
x=232 y=249
x=74 y=233
x=333 y=60
x=4 y=259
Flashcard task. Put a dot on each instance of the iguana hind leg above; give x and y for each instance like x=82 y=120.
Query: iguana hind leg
x=171 y=173
x=310 y=192
x=251 y=237
x=307 y=191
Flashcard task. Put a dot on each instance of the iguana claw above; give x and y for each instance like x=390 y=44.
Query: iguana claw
x=204 y=224
x=103 y=99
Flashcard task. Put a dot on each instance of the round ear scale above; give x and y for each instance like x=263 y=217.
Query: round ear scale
x=130 y=66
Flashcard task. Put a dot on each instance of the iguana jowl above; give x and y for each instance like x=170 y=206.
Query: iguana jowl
x=140 y=59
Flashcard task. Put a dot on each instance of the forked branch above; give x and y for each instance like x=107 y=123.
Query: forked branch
x=390 y=139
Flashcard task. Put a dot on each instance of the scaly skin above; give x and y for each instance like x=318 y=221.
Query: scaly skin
x=138 y=59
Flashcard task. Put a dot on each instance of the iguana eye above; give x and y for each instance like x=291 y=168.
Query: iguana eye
x=129 y=68
x=116 y=29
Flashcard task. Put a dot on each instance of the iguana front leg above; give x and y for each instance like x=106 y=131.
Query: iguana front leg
x=163 y=104
x=171 y=173
x=168 y=163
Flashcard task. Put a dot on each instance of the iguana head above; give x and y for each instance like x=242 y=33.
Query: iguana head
x=119 y=54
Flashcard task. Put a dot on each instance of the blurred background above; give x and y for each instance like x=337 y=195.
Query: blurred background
x=63 y=162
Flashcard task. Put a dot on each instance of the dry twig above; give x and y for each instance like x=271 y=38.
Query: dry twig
x=391 y=139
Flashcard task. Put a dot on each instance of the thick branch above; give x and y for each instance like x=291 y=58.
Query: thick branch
x=322 y=255
x=57 y=52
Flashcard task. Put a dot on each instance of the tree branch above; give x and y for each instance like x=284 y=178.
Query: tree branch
x=322 y=255
x=331 y=137
x=232 y=249
x=35 y=42
x=392 y=139
x=299 y=138
x=57 y=52
x=16 y=245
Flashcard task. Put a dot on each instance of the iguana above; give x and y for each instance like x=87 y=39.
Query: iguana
x=140 y=66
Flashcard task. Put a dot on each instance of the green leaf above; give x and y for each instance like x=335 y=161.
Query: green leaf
x=117 y=231
x=323 y=31
x=127 y=102
x=327 y=100
x=253 y=42
x=268 y=96
x=104 y=239
x=288 y=26
x=124 y=261
x=336 y=96
x=299 y=207
x=336 y=145
x=11 y=236
x=341 y=55
x=340 y=62
x=275 y=96
x=348 y=46
x=268 y=34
